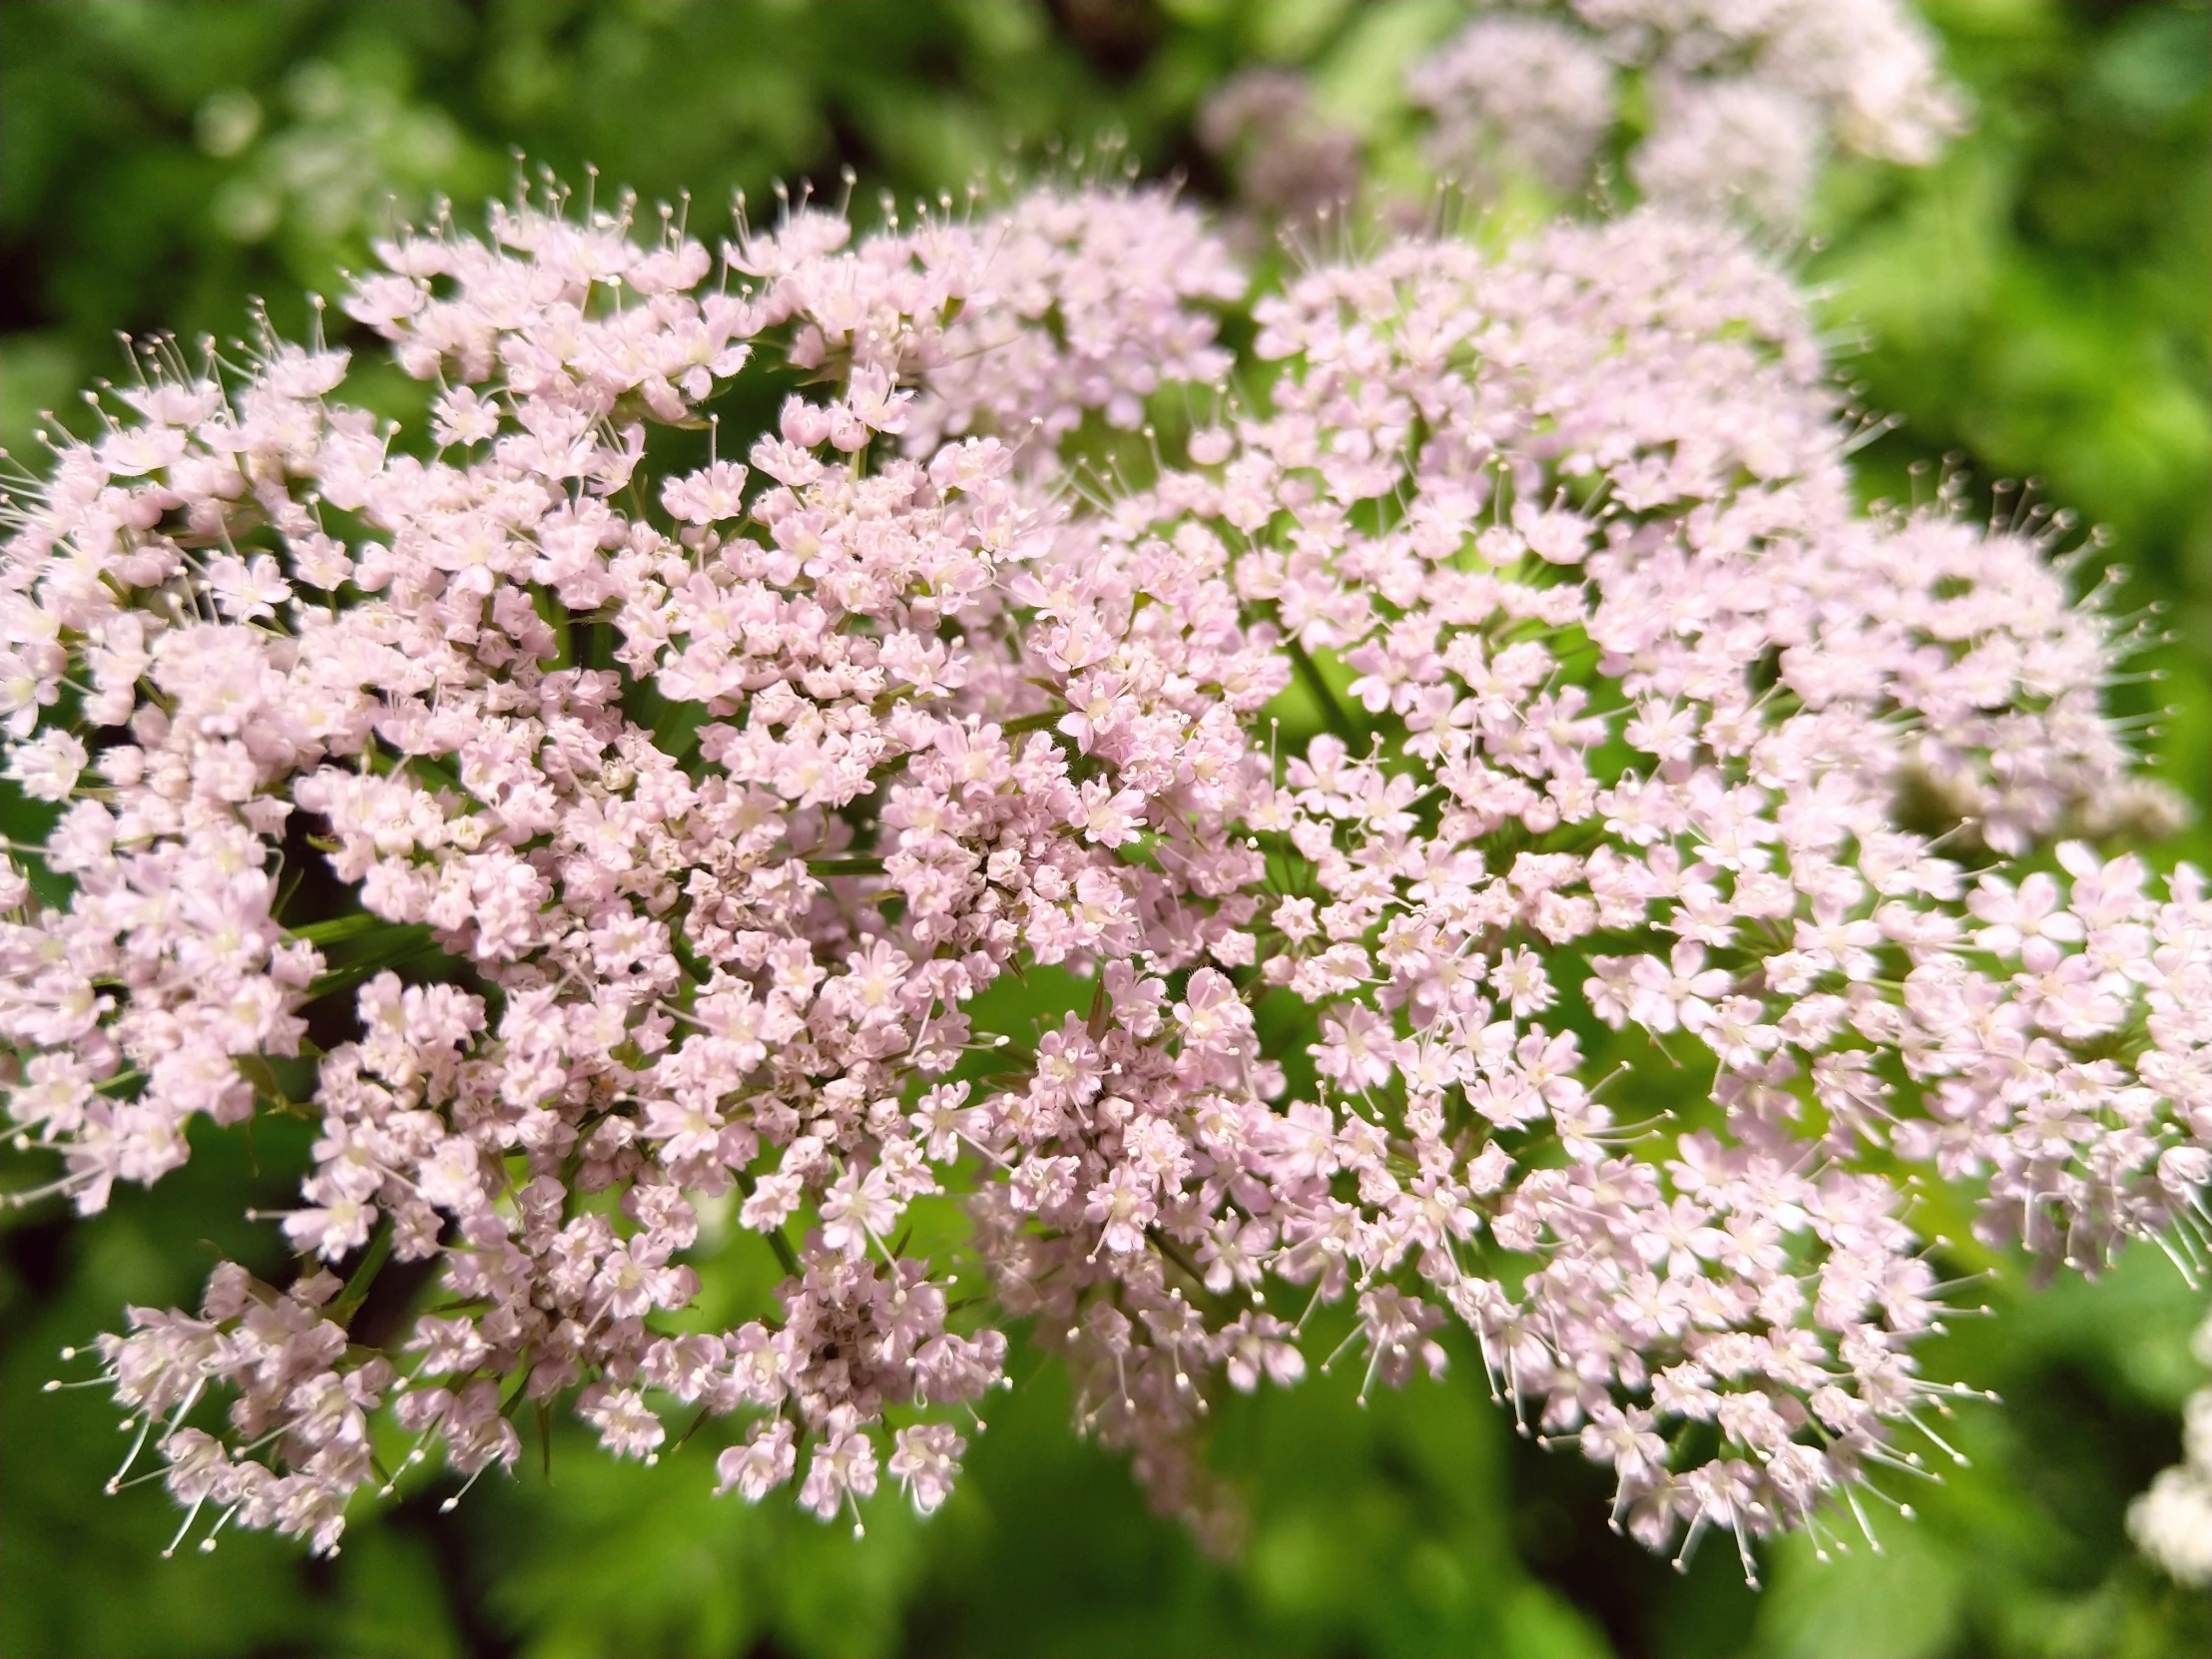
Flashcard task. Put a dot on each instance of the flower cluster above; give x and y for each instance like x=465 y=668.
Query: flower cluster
x=1082 y=301
x=1289 y=162
x=1527 y=855
x=1630 y=717
x=1742 y=99
x=712 y=812
x=1516 y=90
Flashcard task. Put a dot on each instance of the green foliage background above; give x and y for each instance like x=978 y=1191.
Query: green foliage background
x=2035 y=307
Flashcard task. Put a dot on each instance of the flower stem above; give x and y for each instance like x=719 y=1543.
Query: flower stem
x=357 y=1288
x=1333 y=714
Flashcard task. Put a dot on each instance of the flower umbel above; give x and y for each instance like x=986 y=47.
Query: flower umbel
x=1531 y=857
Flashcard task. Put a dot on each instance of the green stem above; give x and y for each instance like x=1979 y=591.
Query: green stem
x=1174 y=1252
x=784 y=1253
x=370 y=949
x=688 y=959
x=256 y=1070
x=775 y=1235
x=341 y=927
x=1333 y=713
x=555 y=615
x=846 y=867
x=357 y=1288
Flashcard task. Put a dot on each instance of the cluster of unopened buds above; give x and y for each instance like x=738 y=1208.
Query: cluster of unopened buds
x=1506 y=847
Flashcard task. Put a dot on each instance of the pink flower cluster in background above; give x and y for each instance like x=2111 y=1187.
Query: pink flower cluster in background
x=1724 y=107
x=1740 y=96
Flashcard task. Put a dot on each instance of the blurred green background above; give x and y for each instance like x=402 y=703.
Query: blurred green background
x=2035 y=306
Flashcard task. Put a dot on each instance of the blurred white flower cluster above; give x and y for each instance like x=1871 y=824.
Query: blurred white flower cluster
x=2172 y=1522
